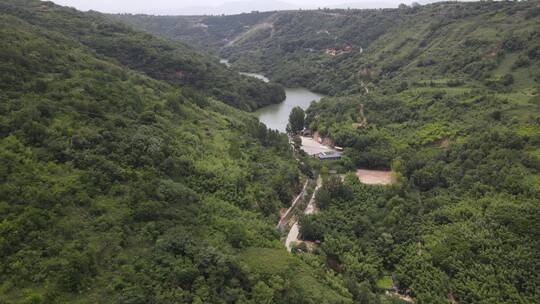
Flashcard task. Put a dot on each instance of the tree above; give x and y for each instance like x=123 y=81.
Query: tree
x=297 y=143
x=262 y=294
x=311 y=228
x=296 y=120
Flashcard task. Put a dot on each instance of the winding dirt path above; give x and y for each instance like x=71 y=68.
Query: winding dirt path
x=292 y=237
x=286 y=216
x=400 y=296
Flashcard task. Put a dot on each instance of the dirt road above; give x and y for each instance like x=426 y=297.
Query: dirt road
x=286 y=216
x=311 y=208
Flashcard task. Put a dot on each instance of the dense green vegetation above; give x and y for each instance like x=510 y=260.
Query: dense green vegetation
x=124 y=177
x=463 y=219
x=462 y=222
x=207 y=33
x=296 y=121
x=445 y=95
x=119 y=188
x=445 y=43
x=158 y=58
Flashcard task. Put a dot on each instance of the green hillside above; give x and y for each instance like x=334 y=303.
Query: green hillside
x=443 y=43
x=462 y=219
x=158 y=58
x=207 y=33
x=119 y=188
x=131 y=173
x=446 y=96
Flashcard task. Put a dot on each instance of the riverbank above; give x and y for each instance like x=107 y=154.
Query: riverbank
x=276 y=116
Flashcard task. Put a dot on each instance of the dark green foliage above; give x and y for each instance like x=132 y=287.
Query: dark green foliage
x=463 y=159
x=124 y=179
x=119 y=188
x=176 y=63
x=448 y=96
x=296 y=120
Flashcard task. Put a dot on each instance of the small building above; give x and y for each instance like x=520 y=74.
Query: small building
x=332 y=155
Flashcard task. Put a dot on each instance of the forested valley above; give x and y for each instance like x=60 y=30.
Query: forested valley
x=444 y=95
x=118 y=186
x=131 y=170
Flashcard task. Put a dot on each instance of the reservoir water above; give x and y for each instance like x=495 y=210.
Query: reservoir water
x=276 y=116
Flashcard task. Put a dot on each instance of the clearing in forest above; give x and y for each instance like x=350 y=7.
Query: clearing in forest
x=374 y=177
x=312 y=147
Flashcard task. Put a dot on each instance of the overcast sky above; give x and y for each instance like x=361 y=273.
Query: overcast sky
x=211 y=6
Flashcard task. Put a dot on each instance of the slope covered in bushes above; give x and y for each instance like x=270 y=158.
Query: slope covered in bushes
x=158 y=58
x=447 y=96
x=116 y=186
x=444 y=43
x=119 y=188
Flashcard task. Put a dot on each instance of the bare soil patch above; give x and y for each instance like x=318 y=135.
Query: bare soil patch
x=374 y=177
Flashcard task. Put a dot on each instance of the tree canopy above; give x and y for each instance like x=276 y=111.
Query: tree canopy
x=296 y=120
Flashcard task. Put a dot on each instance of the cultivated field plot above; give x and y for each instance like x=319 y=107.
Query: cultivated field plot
x=374 y=177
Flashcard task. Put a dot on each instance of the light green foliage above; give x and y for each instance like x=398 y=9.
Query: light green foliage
x=385 y=282
x=293 y=280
